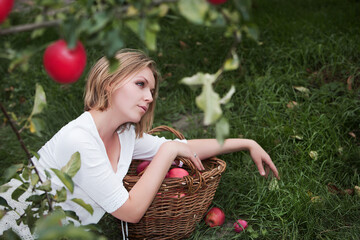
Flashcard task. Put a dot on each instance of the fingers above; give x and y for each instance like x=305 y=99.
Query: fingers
x=267 y=171
x=197 y=162
x=269 y=165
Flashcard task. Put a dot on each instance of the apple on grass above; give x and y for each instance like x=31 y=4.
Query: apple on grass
x=215 y=217
x=5 y=8
x=64 y=65
x=240 y=225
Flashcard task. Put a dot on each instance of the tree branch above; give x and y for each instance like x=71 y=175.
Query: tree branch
x=29 y=27
x=12 y=125
x=33 y=26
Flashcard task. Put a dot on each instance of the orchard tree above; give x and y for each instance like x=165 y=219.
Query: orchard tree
x=103 y=23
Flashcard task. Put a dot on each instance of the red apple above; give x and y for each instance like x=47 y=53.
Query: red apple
x=240 y=225
x=177 y=173
x=215 y=217
x=141 y=167
x=62 y=64
x=217 y=2
x=5 y=8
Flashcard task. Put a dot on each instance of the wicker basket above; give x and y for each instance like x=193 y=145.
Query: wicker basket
x=180 y=203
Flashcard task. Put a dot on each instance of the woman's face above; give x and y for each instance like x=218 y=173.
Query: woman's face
x=131 y=101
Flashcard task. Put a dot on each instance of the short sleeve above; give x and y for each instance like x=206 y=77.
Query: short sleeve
x=96 y=176
x=148 y=145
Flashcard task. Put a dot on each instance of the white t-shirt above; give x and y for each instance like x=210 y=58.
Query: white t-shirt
x=96 y=182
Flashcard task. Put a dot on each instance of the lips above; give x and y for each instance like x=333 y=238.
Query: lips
x=144 y=108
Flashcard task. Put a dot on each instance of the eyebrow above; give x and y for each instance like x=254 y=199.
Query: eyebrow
x=147 y=82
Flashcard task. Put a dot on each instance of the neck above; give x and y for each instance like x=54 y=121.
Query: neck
x=106 y=123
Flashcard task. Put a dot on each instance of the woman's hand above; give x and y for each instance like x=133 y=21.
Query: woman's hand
x=183 y=150
x=262 y=159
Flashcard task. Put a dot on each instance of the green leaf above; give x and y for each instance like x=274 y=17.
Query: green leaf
x=38 y=32
x=232 y=63
x=36 y=199
x=45 y=186
x=19 y=191
x=34 y=179
x=10 y=235
x=11 y=171
x=2 y=213
x=4 y=188
x=71 y=36
x=35 y=154
x=209 y=102
x=133 y=25
x=73 y=165
x=71 y=214
x=228 y=95
x=244 y=7
x=37 y=125
x=4 y=203
x=114 y=43
x=159 y=11
x=100 y=20
x=65 y=179
x=81 y=202
x=47 y=173
x=150 y=40
x=61 y=195
x=51 y=221
x=30 y=217
x=274 y=184
x=40 y=100
x=194 y=11
x=113 y=64
x=222 y=130
x=252 y=31
x=26 y=173
x=199 y=79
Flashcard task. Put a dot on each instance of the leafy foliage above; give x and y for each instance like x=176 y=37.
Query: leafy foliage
x=105 y=24
x=45 y=219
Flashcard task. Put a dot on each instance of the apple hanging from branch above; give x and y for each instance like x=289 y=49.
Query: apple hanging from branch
x=64 y=65
x=217 y=2
x=5 y=8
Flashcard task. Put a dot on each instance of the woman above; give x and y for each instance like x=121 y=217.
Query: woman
x=119 y=109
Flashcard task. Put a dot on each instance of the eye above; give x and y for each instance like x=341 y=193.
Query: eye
x=140 y=83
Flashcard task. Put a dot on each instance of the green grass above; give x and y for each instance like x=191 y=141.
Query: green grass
x=314 y=44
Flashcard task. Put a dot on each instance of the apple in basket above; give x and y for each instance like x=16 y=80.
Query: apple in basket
x=177 y=173
x=240 y=225
x=215 y=217
x=141 y=167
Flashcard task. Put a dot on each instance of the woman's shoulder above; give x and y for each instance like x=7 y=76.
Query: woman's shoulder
x=82 y=127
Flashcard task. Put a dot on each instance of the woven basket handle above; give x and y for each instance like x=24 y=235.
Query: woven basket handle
x=169 y=129
x=186 y=161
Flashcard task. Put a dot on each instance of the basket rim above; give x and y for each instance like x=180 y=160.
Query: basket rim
x=201 y=179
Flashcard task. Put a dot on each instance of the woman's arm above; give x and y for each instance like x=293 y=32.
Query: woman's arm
x=206 y=148
x=144 y=191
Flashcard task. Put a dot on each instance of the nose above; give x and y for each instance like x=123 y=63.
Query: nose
x=149 y=96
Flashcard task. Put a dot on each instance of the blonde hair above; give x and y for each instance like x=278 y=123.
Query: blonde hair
x=101 y=83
